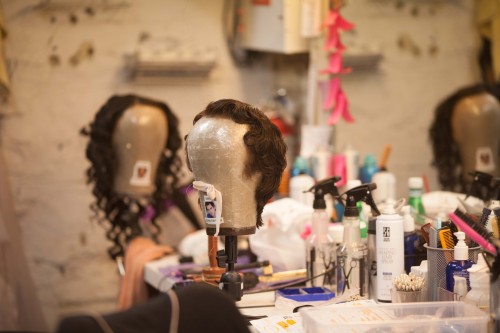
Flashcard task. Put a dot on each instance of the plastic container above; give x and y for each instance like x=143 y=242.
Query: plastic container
x=401 y=317
x=307 y=294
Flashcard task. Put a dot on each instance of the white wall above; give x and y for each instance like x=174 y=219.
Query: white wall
x=45 y=153
x=396 y=105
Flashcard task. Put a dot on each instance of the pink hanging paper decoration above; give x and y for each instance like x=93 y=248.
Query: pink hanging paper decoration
x=331 y=93
x=336 y=97
x=341 y=109
x=334 y=23
x=335 y=64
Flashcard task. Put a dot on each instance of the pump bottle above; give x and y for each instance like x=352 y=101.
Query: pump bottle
x=352 y=254
x=390 y=249
x=320 y=247
x=460 y=264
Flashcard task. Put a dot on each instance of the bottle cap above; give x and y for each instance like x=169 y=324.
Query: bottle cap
x=301 y=165
x=409 y=221
x=392 y=207
x=415 y=182
x=461 y=251
x=370 y=160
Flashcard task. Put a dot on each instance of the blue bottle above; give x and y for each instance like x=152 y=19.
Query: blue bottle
x=368 y=169
x=460 y=264
x=411 y=240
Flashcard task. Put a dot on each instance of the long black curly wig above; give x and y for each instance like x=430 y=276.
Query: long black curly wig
x=446 y=156
x=121 y=212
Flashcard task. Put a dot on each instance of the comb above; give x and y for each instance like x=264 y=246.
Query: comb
x=446 y=239
x=446 y=243
x=425 y=231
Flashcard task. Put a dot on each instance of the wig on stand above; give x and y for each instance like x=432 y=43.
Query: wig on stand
x=123 y=213
x=446 y=153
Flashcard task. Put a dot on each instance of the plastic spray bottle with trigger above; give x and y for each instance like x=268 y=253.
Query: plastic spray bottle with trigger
x=352 y=254
x=320 y=247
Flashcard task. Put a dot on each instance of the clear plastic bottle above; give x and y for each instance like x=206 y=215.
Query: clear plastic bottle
x=352 y=254
x=416 y=188
x=320 y=251
x=352 y=258
x=320 y=247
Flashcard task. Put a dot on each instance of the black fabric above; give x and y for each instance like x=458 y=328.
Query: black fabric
x=203 y=308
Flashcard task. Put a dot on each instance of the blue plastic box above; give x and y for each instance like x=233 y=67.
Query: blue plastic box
x=307 y=294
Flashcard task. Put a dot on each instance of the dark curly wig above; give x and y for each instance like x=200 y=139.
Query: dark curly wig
x=446 y=156
x=124 y=213
x=264 y=142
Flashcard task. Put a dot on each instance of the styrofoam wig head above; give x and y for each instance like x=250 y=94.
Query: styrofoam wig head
x=237 y=157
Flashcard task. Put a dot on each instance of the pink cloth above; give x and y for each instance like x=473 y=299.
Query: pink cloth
x=133 y=289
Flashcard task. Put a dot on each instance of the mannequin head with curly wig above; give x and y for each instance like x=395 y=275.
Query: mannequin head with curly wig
x=465 y=137
x=134 y=165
